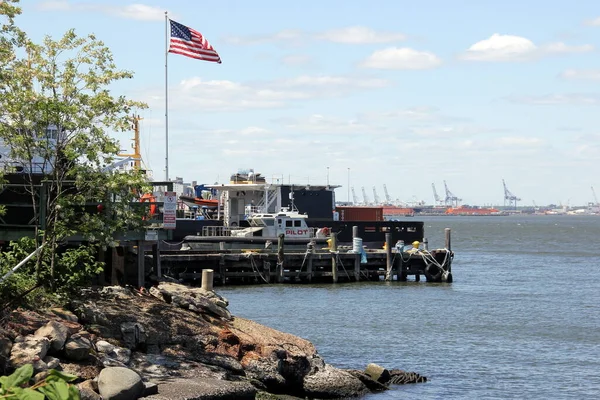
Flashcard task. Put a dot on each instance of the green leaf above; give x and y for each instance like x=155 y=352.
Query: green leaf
x=74 y=393
x=54 y=374
x=55 y=390
x=30 y=394
x=22 y=375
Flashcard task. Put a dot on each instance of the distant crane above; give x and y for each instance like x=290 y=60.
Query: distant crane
x=365 y=198
x=451 y=199
x=354 y=197
x=376 y=197
x=509 y=197
x=437 y=200
x=388 y=199
x=596 y=203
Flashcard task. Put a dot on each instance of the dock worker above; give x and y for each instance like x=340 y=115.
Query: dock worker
x=415 y=247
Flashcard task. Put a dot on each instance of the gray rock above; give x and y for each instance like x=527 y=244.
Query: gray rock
x=90 y=314
x=78 y=348
x=104 y=347
x=133 y=334
x=88 y=390
x=150 y=389
x=52 y=362
x=118 y=383
x=204 y=388
x=30 y=350
x=120 y=354
x=64 y=314
x=331 y=383
x=56 y=332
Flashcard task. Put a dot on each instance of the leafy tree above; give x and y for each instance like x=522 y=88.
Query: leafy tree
x=54 y=387
x=56 y=113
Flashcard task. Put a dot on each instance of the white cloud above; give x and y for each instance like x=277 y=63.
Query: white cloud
x=359 y=35
x=401 y=58
x=297 y=59
x=520 y=141
x=348 y=35
x=318 y=123
x=592 y=22
x=225 y=95
x=136 y=11
x=558 y=99
x=517 y=48
x=583 y=74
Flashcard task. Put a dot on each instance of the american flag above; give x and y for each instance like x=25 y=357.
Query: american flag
x=191 y=43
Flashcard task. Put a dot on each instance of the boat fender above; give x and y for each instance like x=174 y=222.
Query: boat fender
x=322 y=232
x=447 y=277
x=433 y=272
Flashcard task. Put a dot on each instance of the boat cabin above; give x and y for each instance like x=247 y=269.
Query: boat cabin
x=270 y=225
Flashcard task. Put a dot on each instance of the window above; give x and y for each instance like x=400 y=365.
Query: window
x=297 y=223
x=288 y=224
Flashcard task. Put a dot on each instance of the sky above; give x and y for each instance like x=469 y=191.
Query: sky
x=387 y=92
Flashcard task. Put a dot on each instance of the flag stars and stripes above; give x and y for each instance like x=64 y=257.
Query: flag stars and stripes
x=190 y=43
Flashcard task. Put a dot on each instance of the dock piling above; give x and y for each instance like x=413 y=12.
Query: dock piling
x=388 y=256
x=156 y=258
x=448 y=237
x=280 y=257
x=207 y=279
x=333 y=250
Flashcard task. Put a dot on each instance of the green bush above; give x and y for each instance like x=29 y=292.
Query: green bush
x=54 y=387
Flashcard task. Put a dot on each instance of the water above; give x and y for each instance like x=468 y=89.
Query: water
x=521 y=319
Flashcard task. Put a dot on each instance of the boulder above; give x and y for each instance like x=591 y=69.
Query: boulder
x=28 y=350
x=52 y=362
x=56 y=332
x=64 y=314
x=203 y=388
x=378 y=373
x=88 y=390
x=78 y=347
x=118 y=383
x=133 y=334
x=5 y=348
x=333 y=383
x=104 y=347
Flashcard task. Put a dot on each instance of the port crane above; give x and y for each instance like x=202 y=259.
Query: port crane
x=365 y=198
x=388 y=199
x=596 y=202
x=509 y=197
x=437 y=199
x=354 y=197
x=451 y=199
x=376 y=198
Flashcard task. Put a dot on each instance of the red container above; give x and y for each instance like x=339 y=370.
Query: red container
x=360 y=213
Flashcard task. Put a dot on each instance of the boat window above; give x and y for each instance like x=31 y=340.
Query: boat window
x=269 y=222
x=288 y=224
x=297 y=223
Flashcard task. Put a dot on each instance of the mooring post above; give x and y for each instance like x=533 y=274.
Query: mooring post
x=207 y=279
x=388 y=256
x=140 y=264
x=425 y=244
x=267 y=270
x=156 y=258
x=280 y=257
x=333 y=250
x=357 y=257
x=448 y=245
x=309 y=267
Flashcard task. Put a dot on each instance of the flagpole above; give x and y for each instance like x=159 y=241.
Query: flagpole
x=166 y=98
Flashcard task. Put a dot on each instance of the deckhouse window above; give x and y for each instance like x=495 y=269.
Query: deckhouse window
x=288 y=224
x=297 y=223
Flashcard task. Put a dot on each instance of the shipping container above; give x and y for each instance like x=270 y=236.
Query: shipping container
x=360 y=213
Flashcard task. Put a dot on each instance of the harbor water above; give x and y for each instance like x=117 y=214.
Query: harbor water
x=520 y=321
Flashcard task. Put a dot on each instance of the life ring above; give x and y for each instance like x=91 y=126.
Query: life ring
x=150 y=198
x=433 y=272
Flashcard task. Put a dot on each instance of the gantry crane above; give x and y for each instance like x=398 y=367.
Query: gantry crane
x=365 y=198
x=509 y=197
x=376 y=197
x=388 y=199
x=354 y=197
x=437 y=200
x=596 y=203
x=450 y=200
x=136 y=155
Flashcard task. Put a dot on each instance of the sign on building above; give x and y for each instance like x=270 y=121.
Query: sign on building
x=170 y=210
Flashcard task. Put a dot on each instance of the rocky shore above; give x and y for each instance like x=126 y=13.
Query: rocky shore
x=175 y=342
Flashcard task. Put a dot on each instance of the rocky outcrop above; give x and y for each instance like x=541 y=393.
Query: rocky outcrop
x=175 y=342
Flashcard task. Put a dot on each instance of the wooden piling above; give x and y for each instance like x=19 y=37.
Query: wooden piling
x=425 y=244
x=448 y=237
x=267 y=270
x=333 y=250
x=156 y=259
x=388 y=256
x=280 y=257
x=141 y=275
x=309 y=261
x=207 y=279
x=357 y=267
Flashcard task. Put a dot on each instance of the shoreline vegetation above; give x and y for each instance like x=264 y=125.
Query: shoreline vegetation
x=175 y=342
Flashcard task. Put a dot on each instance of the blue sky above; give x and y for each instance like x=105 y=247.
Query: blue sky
x=401 y=93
